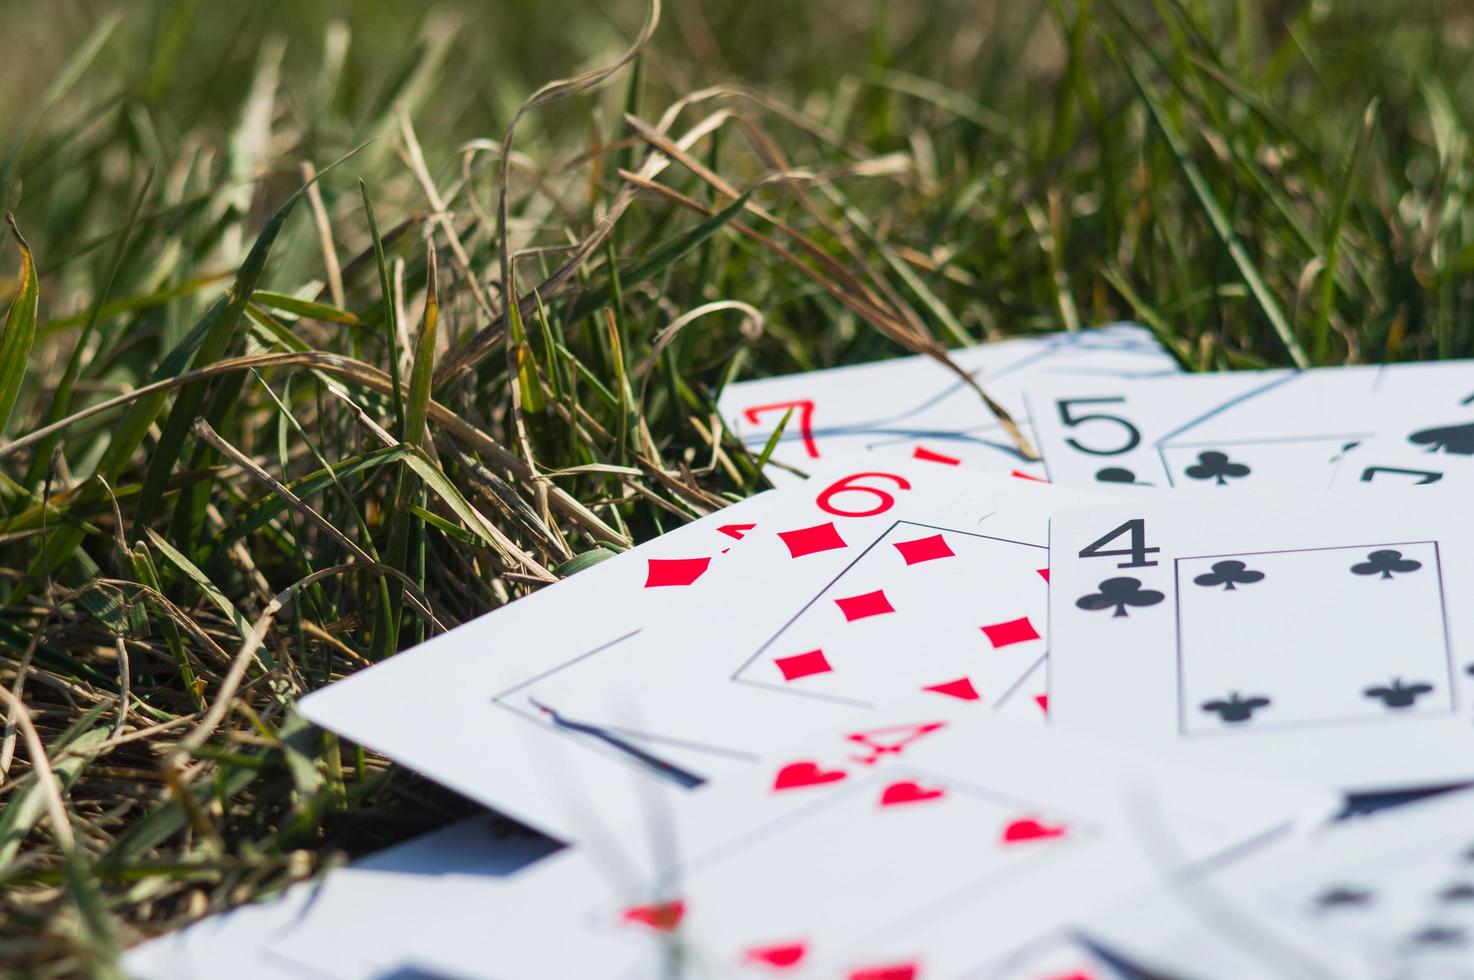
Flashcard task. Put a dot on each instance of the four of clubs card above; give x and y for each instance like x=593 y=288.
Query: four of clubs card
x=1318 y=637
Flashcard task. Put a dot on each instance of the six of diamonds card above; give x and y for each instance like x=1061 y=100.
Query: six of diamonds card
x=1324 y=638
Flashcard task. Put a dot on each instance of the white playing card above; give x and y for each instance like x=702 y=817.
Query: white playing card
x=349 y=924
x=1385 y=896
x=434 y=708
x=1249 y=429
x=1061 y=957
x=864 y=586
x=1315 y=637
x=914 y=404
x=1393 y=463
x=927 y=845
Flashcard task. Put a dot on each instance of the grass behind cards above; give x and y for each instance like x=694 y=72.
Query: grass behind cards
x=1262 y=185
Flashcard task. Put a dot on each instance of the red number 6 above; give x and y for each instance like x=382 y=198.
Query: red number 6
x=884 y=500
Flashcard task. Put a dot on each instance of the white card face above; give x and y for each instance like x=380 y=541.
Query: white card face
x=913 y=405
x=1264 y=430
x=1388 y=895
x=869 y=854
x=349 y=924
x=1388 y=463
x=1054 y=958
x=436 y=708
x=1317 y=637
x=863 y=587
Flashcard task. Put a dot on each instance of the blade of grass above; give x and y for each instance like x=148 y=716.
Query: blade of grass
x=19 y=331
x=1320 y=328
x=1224 y=229
x=402 y=522
x=219 y=330
x=61 y=397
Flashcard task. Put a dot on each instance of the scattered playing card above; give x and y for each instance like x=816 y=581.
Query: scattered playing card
x=349 y=924
x=1393 y=463
x=1247 y=429
x=1313 y=637
x=870 y=583
x=884 y=858
x=1390 y=895
x=916 y=406
x=432 y=708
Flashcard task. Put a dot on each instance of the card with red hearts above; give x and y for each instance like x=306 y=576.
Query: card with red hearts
x=926 y=844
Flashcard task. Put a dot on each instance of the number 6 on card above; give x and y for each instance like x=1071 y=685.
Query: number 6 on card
x=1312 y=638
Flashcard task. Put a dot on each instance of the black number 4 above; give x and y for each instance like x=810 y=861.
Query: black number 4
x=1138 y=549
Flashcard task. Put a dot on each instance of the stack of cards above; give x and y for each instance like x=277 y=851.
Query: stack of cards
x=933 y=709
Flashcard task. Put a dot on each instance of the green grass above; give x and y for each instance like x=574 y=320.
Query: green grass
x=244 y=456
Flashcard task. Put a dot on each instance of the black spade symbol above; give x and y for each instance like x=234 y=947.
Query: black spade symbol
x=1216 y=466
x=1455 y=439
x=1117 y=594
x=1397 y=694
x=1237 y=709
x=1385 y=563
x=1230 y=575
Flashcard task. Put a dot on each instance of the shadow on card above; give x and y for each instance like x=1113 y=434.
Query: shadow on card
x=1362 y=804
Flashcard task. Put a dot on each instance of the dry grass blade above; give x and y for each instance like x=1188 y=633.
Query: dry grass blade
x=848 y=289
x=357 y=372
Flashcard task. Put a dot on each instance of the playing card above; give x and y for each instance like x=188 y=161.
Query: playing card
x=1316 y=637
x=1247 y=429
x=1059 y=957
x=925 y=845
x=434 y=708
x=1394 y=463
x=872 y=582
x=1386 y=896
x=915 y=405
x=351 y=922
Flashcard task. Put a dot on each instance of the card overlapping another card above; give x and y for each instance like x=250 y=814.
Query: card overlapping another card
x=916 y=406
x=1313 y=637
x=1385 y=896
x=1279 y=429
x=874 y=581
x=933 y=842
x=349 y=924
x=1391 y=463
x=437 y=708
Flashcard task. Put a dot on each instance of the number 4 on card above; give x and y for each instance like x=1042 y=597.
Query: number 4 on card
x=1137 y=549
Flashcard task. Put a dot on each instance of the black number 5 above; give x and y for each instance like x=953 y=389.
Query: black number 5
x=1133 y=437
